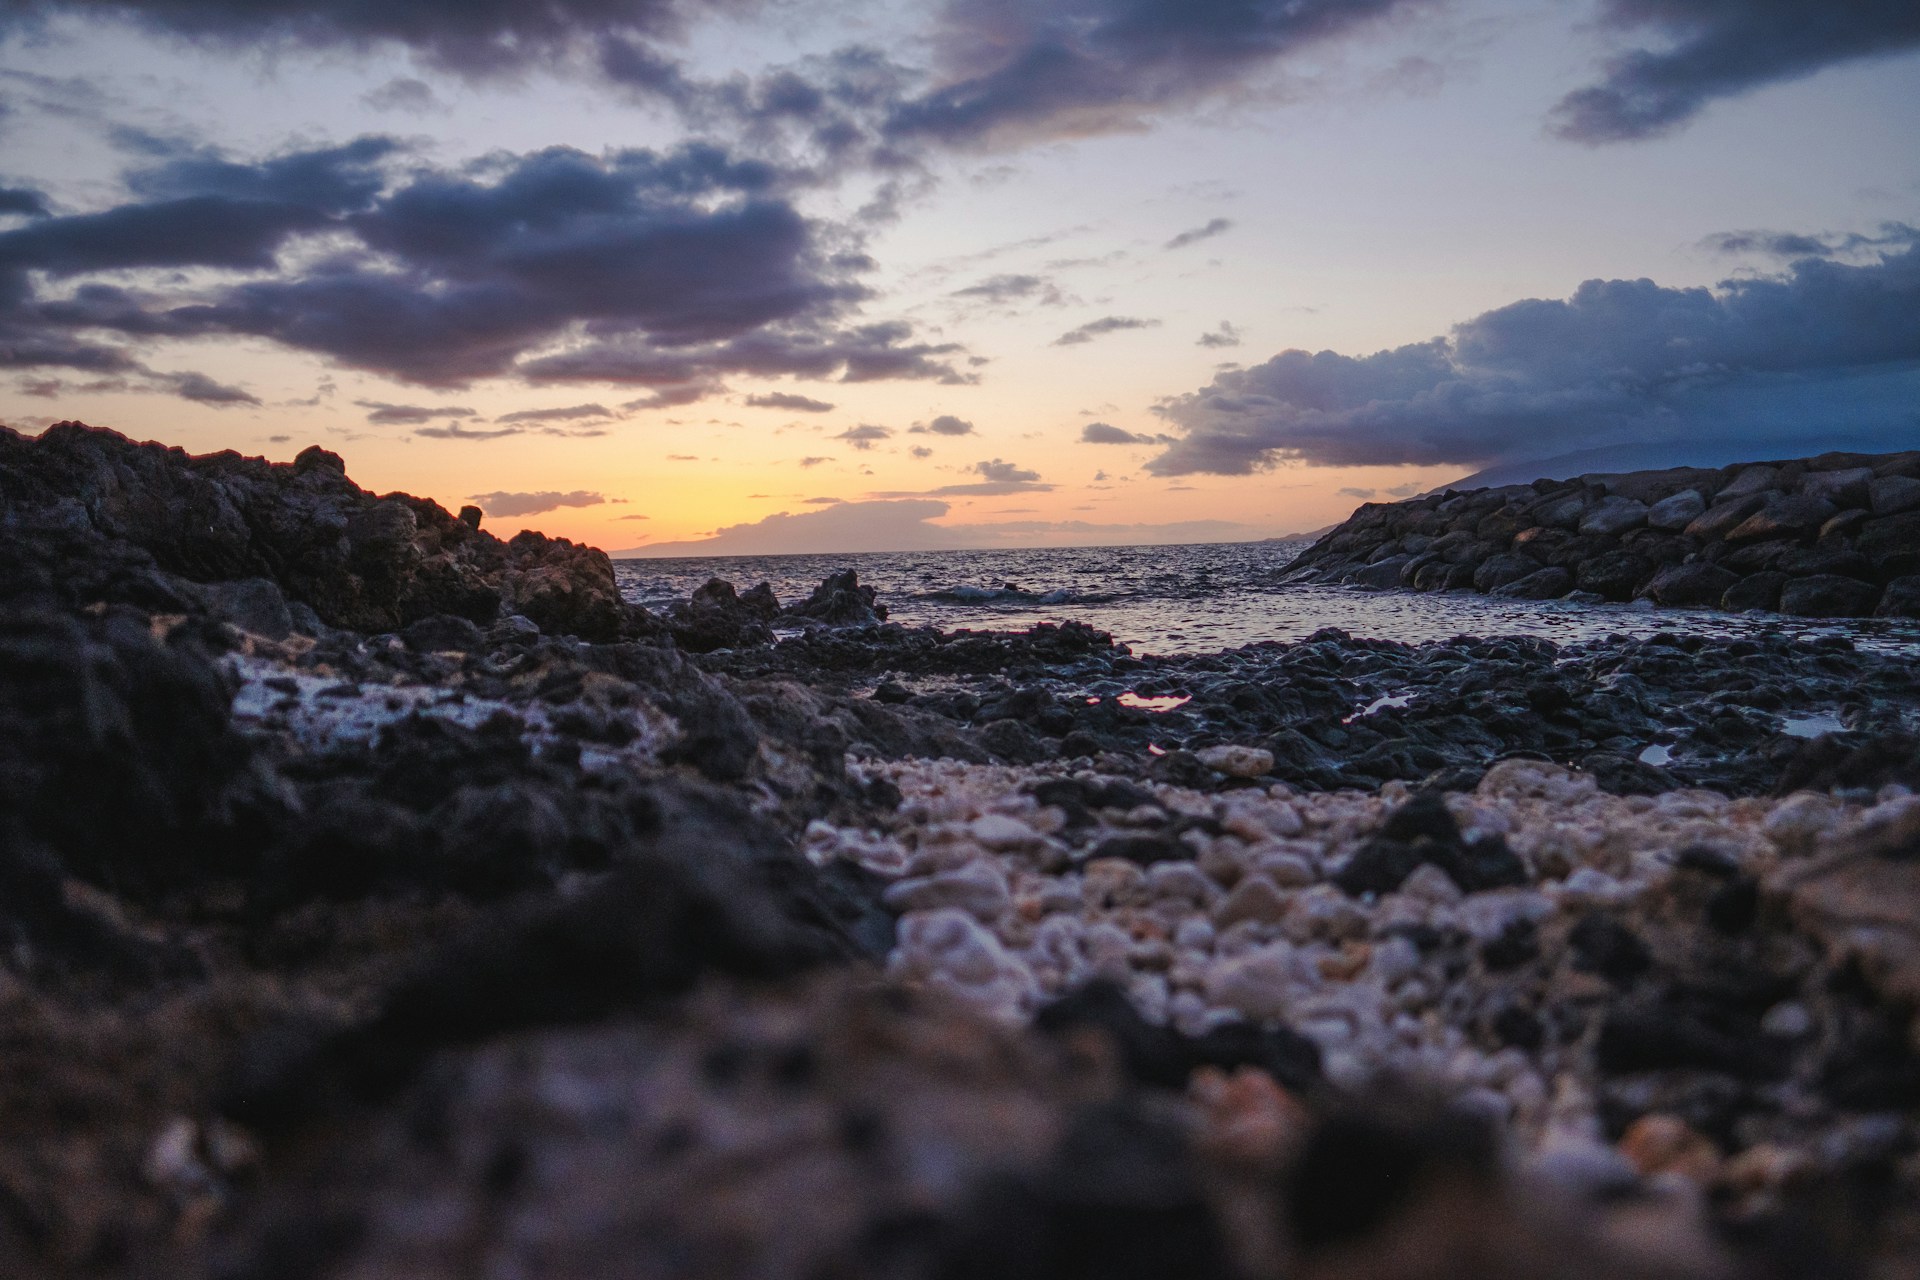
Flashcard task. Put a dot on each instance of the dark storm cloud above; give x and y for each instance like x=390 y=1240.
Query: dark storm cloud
x=1096 y=328
x=1827 y=347
x=1024 y=68
x=789 y=401
x=1718 y=48
x=473 y=37
x=1107 y=433
x=1214 y=227
x=22 y=202
x=944 y=425
x=505 y=505
x=864 y=436
x=663 y=270
x=402 y=94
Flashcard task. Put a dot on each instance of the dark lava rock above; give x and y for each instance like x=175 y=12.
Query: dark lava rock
x=1423 y=831
x=839 y=601
x=1161 y=1056
x=1901 y=599
x=1615 y=575
x=716 y=618
x=1828 y=596
x=1690 y=585
x=361 y=562
x=1546 y=584
x=1756 y=591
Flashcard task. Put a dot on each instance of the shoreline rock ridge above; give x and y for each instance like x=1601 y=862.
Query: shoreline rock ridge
x=1833 y=536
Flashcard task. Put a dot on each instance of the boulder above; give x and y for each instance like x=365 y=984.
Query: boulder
x=1891 y=495
x=1677 y=512
x=1789 y=515
x=1724 y=515
x=1828 y=596
x=1755 y=591
x=1690 y=585
x=1616 y=575
x=1751 y=480
x=1843 y=488
x=1500 y=570
x=1613 y=516
x=1544 y=584
x=1892 y=543
x=1901 y=599
x=1381 y=573
x=1560 y=511
x=1806 y=562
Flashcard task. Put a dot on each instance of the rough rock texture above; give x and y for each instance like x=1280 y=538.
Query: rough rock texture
x=1670 y=536
x=349 y=929
x=143 y=514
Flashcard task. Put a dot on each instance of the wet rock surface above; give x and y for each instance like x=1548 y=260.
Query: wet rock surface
x=1840 y=528
x=380 y=899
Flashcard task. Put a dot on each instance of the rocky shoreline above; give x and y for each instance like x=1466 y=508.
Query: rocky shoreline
x=383 y=899
x=1836 y=536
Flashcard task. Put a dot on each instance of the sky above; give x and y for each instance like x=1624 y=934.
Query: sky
x=752 y=276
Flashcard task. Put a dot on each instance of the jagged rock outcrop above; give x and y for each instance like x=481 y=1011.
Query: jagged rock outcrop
x=146 y=520
x=1832 y=536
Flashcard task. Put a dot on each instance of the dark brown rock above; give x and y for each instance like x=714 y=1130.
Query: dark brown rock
x=1547 y=584
x=1725 y=514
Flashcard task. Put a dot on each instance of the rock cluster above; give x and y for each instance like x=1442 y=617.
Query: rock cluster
x=1837 y=536
x=380 y=899
x=278 y=543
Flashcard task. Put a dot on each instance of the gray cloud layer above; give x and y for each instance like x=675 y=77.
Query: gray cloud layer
x=1826 y=347
x=675 y=269
x=1718 y=48
x=1099 y=328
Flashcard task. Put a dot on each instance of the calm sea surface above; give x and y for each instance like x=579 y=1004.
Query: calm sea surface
x=1195 y=599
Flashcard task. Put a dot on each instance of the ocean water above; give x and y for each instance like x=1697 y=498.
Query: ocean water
x=1197 y=599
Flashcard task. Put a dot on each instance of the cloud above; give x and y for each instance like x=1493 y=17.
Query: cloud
x=823 y=502
x=454 y=431
x=1107 y=433
x=1004 y=290
x=665 y=270
x=813 y=462
x=384 y=414
x=1104 y=325
x=22 y=202
x=506 y=505
x=201 y=389
x=415 y=97
x=1224 y=336
x=1214 y=227
x=569 y=413
x=864 y=436
x=1714 y=49
x=1405 y=490
x=944 y=425
x=920 y=451
x=1824 y=347
x=476 y=39
x=1794 y=244
x=633 y=517
x=1016 y=70
x=997 y=479
x=789 y=401
x=1362 y=494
